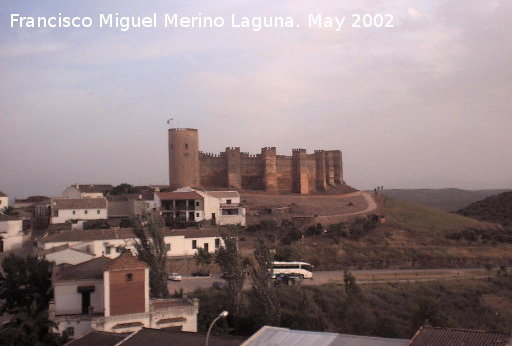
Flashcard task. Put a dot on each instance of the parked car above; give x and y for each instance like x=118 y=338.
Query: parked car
x=174 y=277
x=218 y=285
x=201 y=273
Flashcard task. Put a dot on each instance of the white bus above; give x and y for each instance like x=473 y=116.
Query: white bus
x=301 y=269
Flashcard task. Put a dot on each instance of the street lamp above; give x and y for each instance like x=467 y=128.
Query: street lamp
x=223 y=314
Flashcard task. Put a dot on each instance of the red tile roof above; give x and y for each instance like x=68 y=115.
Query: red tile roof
x=166 y=196
x=438 y=336
x=90 y=270
x=98 y=338
x=122 y=233
x=161 y=337
x=126 y=261
x=79 y=203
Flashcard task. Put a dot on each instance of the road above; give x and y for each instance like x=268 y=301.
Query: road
x=189 y=284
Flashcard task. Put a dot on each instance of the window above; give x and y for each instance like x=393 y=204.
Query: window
x=186 y=145
x=107 y=250
x=167 y=247
x=228 y=201
x=86 y=211
x=55 y=213
x=97 y=211
x=194 y=244
x=129 y=277
x=197 y=203
x=118 y=249
x=217 y=243
x=197 y=214
x=74 y=212
x=70 y=332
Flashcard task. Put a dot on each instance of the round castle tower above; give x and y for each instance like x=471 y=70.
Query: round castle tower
x=183 y=157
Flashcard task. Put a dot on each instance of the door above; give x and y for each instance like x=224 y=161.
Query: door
x=205 y=247
x=86 y=301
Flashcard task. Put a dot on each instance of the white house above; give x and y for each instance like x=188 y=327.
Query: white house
x=4 y=201
x=87 y=190
x=11 y=233
x=111 y=242
x=65 y=254
x=113 y=296
x=190 y=205
x=78 y=209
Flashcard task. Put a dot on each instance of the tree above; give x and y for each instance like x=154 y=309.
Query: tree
x=25 y=281
x=31 y=326
x=123 y=189
x=233 y=265
x=203 y=257
x=488 y=268
x=151 y=249
x=9 y=211
x=264 y=296
x=351 y=287
x=26 y=289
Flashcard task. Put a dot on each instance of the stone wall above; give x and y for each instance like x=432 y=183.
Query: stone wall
x=213 y=170
x=252 y=172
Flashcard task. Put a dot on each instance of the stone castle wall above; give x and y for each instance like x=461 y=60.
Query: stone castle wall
x=301 y=172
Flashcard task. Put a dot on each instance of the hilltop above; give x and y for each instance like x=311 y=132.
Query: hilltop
x=496 y=208
x=446 y=199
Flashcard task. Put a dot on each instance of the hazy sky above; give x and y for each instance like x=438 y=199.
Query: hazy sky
x=425 y=104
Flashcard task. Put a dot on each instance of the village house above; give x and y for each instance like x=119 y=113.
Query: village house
x=87 y=190
x=4 y=201
x=11 y=233
x=113 y=296
x=131 y=205
x=191 y=205
x=34 y=211
x=111 y=242
x=77 y=210
x=64 y=254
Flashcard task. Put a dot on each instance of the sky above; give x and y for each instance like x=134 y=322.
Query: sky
x=426 y=104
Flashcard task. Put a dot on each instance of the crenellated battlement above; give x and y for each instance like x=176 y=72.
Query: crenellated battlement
x=210 y=155
x=299 y=172
x=182 y=129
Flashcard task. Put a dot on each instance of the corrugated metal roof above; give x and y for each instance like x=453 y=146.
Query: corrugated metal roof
x=273 y=336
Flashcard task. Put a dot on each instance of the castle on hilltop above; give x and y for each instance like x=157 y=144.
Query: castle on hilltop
x=300 y=173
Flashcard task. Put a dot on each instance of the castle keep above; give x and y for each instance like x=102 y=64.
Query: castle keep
x=300 y=173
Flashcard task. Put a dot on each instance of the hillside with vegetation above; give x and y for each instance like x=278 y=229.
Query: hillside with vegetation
x=497 y=208
x=445 y=199
x=387 y=310
x=412 y=236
